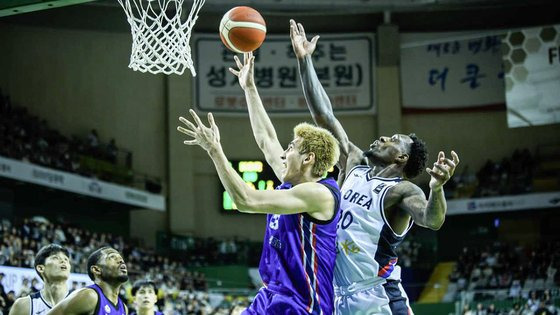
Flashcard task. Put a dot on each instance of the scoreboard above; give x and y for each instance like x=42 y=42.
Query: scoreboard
x=257 y=175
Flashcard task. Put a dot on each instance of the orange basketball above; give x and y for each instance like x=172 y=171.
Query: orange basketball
x=242 y=29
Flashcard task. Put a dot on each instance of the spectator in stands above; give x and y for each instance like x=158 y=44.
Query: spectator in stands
x=93 y=142
x=10 y=299
x=533 y=301
x=60 y=237
x=4 y=255
x=3 y=296
x=516 y=309
x=548 y=302
x=2 y=305
x=480 y=310
x=25 y=288
x=550 y=274
x=112 y=151
x=542 y=309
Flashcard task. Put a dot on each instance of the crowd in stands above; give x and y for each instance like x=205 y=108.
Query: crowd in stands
x=509 y=272
x=533 y=305
x=408 y=252
x=181 y=290
x=26 y=137
x=512 y=175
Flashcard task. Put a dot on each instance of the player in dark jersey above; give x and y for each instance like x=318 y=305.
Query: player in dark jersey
x=365 y=277
x=53 y=266
x=145 y=297
x=298 y=255
x=106 y=268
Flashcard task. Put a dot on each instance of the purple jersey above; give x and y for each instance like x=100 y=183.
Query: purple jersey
x=298 y=256
x=104 y=306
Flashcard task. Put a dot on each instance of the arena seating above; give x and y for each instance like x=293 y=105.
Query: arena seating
x=181 y=289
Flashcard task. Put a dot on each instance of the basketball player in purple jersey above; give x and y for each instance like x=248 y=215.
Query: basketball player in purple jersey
x=379 y=203
x=106 y=268
x=298 y=255
x=145 y=297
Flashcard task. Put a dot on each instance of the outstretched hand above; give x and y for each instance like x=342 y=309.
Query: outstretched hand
x=206 y=137
x=245 y=71
x=443 y=170
x=302 y=47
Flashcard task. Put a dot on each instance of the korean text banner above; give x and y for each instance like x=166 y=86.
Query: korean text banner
x=344 y=65
x=532 y=66
x=48 y=177
x=451 y=70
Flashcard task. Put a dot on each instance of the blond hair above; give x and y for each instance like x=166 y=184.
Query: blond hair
x=321 y=142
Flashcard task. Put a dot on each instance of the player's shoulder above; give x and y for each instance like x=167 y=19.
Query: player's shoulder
x=86 y=295
x=310 y=187
x=406 y=188
x=316 y=191
x=21 y=306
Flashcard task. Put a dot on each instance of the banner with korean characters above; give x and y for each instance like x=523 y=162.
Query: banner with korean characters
x=44 y=176
x=452 y=70
x=532 y=66
x=345 y=65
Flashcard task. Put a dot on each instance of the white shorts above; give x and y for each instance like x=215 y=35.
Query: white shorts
x=384 y=299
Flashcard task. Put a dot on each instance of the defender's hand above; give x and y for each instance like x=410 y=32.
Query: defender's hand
x=245 y=71
x=443 y=170
x=206 y=137
x=302 y=47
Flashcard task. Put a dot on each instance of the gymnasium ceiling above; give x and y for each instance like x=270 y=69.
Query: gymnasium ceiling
x=409 y=15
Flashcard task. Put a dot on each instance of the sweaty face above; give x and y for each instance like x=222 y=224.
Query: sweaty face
x=292 y=160
x=145 y=297
x=56 y=267
x=113 y=267
x=386 y=150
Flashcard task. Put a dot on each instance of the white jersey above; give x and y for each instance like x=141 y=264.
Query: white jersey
x=366 y=243
x=38 y=305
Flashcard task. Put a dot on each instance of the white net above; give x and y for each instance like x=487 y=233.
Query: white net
x=160 y=39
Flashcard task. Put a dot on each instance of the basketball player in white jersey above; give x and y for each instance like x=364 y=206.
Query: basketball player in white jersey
x=53 y=266
x=379 y=203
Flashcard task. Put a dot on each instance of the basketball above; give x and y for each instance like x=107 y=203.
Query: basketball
x=242 y=29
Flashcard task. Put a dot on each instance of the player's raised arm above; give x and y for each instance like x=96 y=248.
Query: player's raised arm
x=305 y=197
x=430 y=213
x=317 y=99
x=263 y=130
x=79 y=302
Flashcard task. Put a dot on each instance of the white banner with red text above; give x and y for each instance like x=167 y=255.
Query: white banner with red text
x=345 y=65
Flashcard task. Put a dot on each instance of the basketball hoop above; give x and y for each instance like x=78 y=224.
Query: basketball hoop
x=160 y=40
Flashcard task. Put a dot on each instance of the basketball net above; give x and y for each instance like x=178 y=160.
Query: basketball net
x=160 y=40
